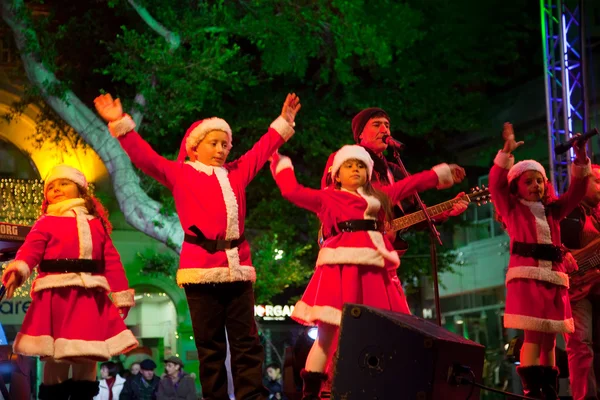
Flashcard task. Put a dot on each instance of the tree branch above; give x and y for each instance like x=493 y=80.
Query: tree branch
x=139 y=209
x=171 y=37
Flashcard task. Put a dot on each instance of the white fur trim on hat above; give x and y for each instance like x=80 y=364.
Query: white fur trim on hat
x=64 y=171
x=206 y=126
x=351 y=152
x=525 y=165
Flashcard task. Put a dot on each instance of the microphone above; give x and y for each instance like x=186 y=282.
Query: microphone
x=390 y=141
x=564 y=147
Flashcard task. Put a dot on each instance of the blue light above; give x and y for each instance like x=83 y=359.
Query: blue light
x=313 y=333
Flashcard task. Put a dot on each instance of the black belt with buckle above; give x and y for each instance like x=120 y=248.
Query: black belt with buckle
x=210 y=245
x=354 y=225
x=547 y=252
x=62 y=265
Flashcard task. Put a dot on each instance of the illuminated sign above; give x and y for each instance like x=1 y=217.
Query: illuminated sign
x=13 y=311
x=13 y=232
x=273 y=312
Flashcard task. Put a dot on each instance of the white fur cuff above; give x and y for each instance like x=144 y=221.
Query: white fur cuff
x=124 y=298
x=581 y=171
x=19 y=267
x=284 y=163
x=121 y=126
x=504 y=160
x=444 y=175
x=285 y=130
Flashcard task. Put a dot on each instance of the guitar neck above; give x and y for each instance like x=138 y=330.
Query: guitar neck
x=419 y=216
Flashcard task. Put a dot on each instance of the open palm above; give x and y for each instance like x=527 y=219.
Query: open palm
x=109 y=109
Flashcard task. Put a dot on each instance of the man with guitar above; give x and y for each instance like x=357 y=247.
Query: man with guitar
x=580 y=233
x=370 y=128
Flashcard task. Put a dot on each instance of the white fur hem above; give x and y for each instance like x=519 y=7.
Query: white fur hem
x=124 y=298
x=309 y=315
x=121 y=126
x=538 y=324
x=444 y=175
x=285 y=130
x=350 y=255
x=581 y=171
x=18 y=266
x=539 y=274
x=284 y=163
x=47 y=346
x=504 y=160
x=216 y=275
x=70 y=279
x=231 y=205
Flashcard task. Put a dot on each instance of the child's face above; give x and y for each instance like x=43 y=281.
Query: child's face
x=213 y=149
x=352 y=174
x=60 y=190
x=530 y=186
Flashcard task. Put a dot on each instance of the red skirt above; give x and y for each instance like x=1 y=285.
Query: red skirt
x=537 y=306
x=73 y=324
x=333 y=285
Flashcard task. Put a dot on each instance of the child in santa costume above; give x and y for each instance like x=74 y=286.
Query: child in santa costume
x=215 y=268
x=352 y=262
x=71 y=322
x=537 y=298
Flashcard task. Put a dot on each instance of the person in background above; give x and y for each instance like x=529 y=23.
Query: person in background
x=273 y=382
x=176 y=384
x=111 y=384
x=142 y=386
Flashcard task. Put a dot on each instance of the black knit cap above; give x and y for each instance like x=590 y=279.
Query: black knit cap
x=360 y=120
x=148 y=365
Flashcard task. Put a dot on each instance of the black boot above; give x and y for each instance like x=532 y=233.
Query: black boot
x=84 y=390
x=532 y=378
x=550 y=386
x=311 y=389
x=59 y=391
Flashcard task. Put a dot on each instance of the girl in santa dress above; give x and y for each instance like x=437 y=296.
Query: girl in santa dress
x=537 y=299
x=352 y=263
x=71 y=322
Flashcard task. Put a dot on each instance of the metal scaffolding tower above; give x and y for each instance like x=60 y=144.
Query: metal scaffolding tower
x=563 y=37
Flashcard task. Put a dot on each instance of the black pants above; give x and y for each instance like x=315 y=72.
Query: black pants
x=214 y=308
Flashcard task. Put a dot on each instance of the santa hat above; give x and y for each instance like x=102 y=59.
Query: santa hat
x=351 y=152
x=64 y=171
x=525 y=165
x=198 y=131
x=360 y=120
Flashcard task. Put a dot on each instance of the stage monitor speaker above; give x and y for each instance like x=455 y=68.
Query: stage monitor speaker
x=385 y=355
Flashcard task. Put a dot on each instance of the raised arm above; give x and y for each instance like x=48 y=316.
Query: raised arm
x=28 y=257
x=580 y=172
x=441 y=176
x=283 y=173
x=280 y=131
x=139 y=151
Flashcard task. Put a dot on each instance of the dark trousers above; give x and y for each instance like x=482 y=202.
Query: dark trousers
x=215 y=307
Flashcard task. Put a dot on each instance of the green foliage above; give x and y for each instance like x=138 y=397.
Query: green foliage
x=430 y=64
x=157 y=264
x=278 y=264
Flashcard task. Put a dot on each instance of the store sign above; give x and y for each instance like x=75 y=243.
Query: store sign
x=13 y=232
x=13 y=311
x=273 y=312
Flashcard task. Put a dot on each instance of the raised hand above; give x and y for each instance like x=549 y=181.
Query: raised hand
x=580 y=149
x=291 y=106
x=109 y=109
x=458 y=173
x=508 y=134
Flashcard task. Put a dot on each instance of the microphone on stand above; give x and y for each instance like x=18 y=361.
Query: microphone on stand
x=564 y=147
x=390 y=141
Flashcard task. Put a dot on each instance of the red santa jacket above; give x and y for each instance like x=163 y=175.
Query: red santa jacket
x=534 y=222
x=333 y=206
x=68 y=231
x=212 y=199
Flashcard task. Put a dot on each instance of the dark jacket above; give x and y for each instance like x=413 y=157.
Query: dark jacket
x=186 y=389
x=137 y=388
x=571 y=228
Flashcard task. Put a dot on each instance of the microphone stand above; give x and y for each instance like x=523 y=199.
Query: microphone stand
x=434 y=237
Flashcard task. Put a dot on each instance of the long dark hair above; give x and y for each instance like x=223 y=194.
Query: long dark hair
x=386 y=204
